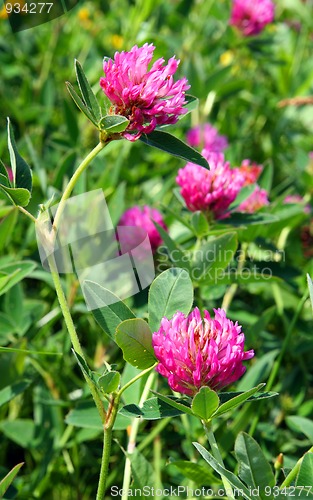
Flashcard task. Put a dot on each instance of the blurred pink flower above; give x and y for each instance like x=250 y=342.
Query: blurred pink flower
x=208 y=137
x=210 y=190
x=251 y=171
x=254 y=202
x=296 y=198
x=142 y=217
x=194 y=352
x=251 y=16
x=146 y=98
x=311 y=155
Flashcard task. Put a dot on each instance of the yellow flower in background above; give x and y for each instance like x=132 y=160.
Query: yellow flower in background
x=83 y=14
x=117 y=41
x=14 y=7
x=3 y=13
x=227 y=58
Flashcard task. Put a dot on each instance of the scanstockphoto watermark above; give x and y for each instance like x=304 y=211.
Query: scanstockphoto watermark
x=218 y=264
x=205 y=492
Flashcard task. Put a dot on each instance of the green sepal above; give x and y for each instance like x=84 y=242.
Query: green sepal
x=80 y=104
x=22 y=175
x=87 y=93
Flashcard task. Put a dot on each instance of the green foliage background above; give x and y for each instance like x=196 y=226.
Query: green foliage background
x=239 y=83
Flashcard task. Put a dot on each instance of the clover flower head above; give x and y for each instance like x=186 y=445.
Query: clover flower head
x=251 y=171
x=147 y=98
x=297 y=198
x=142 y=217
x=257 y=199
x=194 y=352
x=207 y=136
x=210 y=190
x=251 y=16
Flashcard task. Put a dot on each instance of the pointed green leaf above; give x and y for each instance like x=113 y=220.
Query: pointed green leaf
x=227 y=396
x=114 y=123
x=108 y=317
x=179 y=403
x=199 y=474
x=170 y=292
x=18 y=196
x=11 y=391
x=22 y=174
x=87 y=93
x=170 y=144
x=305 y=474
x=135 y=339
x=205 y=403
x=152 y=409
x=244 y=219
x=7 y=480
x=301 y=424
x=80 y=104
x=237 y=400
x=254 y=469
x=84 y=367
x=109 y=382
x=234 y=481
x=142 y=471
x=20 y=431
x=266 y=177
x=12 y=273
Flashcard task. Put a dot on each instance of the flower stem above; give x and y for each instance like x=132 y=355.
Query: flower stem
x=132 y=437
x=72 y=331
x=107 y=442
x=28 y=214
x=109 y=423
x=217 y=454
x=69 y=188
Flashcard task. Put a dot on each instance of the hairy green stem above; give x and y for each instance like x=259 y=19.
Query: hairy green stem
x=217 y=454
x=109 y=423
x=69 y=188
x=133 y=435
x=107 y=442
x=137 y=377
x=28 y=214
x=72 y=332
